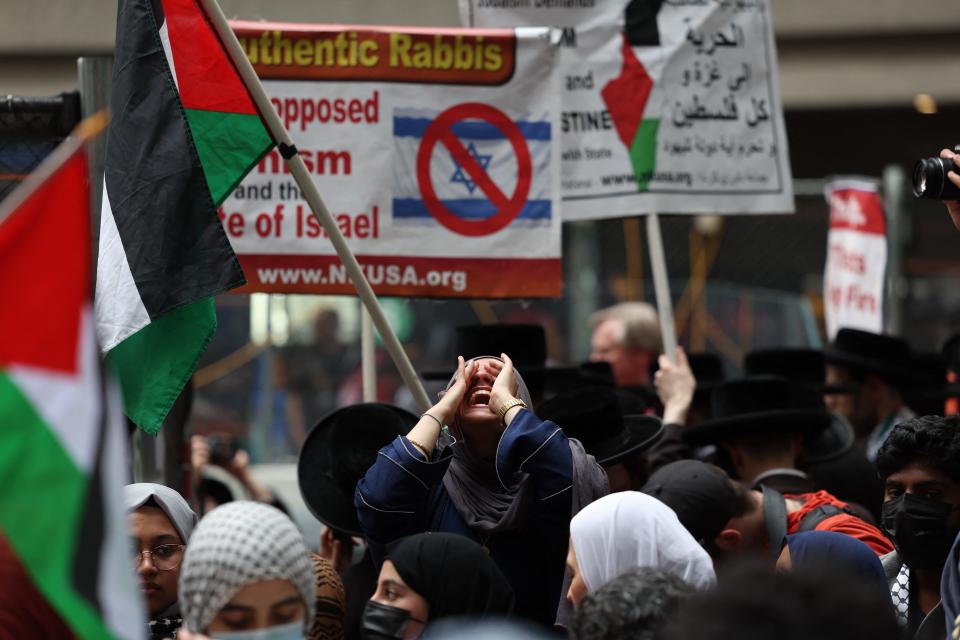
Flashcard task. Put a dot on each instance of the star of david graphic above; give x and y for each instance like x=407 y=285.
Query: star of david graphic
x=463 y=177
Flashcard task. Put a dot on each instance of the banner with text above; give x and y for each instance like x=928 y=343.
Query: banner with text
x=435 y=150
x=669 y=106
x=856 y=257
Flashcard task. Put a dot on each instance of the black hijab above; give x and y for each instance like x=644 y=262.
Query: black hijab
x=453 y=574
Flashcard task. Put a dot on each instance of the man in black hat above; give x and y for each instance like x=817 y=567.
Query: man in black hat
x=627 y=335
x=828 y=457
x=595 y=416
x=728 y=518
x=760 y=425
x=878 y=367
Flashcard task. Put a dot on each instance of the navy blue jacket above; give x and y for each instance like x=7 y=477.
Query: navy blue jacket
x=403 y=493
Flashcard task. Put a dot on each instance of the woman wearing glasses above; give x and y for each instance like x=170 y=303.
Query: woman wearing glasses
x=161 y=522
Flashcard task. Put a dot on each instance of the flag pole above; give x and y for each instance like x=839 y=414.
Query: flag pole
x=312 y=195
x=368 y=357
x=661 y=286
x=84 y=132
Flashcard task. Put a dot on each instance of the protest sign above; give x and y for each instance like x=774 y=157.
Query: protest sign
x=669 y=106
x=853 y=280
x=434 y=149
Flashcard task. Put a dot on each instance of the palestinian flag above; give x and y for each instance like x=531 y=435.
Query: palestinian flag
x=626 y=96
x=184 y=132
x=65 y=561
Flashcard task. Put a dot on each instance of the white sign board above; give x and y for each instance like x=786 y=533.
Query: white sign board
x=435 y=150
x=669 y=106
x=854 y=278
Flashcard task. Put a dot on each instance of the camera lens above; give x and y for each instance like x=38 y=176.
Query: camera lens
x=920 y=179
x=930 y=180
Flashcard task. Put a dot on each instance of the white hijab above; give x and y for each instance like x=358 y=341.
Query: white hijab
x=629 y=529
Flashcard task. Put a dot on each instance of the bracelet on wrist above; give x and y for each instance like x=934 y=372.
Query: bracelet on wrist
x=510 y=404
x=435 y=418
x=419 y=446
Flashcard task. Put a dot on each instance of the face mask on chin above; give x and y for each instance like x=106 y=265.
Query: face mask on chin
x=383 y=622
x=292 y=631
x=920 y=530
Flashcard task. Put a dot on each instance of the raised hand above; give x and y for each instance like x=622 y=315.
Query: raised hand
x=504 y=387
x=675 y=386
x=451 y=399
x=199 y=454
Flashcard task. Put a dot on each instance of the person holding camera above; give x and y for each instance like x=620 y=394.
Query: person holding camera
x=939 y=179
x=953 y=175
x=225 y=454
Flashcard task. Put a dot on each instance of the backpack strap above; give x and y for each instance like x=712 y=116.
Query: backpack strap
x=775 y=518
x=821 y=513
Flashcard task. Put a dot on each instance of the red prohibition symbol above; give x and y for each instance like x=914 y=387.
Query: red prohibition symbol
x=441 y=130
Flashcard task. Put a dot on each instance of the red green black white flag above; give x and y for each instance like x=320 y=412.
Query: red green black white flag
x=184 y=132
x=65 y=568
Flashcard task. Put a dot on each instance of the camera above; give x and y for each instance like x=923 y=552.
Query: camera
x=930 y=179
x=222 y=449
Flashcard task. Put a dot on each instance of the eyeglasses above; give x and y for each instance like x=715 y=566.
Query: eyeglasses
x=164 y=557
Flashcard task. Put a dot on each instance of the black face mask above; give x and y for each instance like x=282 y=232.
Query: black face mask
x=919 y=529
x=382 y=622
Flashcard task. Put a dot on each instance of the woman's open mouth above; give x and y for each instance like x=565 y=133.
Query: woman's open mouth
x=480 y=397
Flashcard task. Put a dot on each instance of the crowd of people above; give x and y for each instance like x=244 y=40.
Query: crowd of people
x=634 y=496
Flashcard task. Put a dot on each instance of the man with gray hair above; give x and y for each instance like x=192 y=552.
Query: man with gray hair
x=627 y=335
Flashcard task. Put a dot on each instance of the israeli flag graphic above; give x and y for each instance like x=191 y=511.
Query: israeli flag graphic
x=454 y=186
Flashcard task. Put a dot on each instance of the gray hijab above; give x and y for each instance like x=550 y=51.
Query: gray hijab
x=170 y=502
x=490 y=504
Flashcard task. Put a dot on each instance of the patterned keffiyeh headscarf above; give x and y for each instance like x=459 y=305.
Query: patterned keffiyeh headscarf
x=235 y=545
x=164 y=625
x=900 y=595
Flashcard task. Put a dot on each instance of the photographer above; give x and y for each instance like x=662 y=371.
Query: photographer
x=953 y=206
x=211 y=493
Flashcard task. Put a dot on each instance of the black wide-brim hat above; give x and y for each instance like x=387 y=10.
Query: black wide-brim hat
x=337 y=453
x=806 y=366
x=799 y=364
x=706 y=367
x=639 y=434
x=594 y=416
x=886 y=356
x=708 y=370
x=563 y=379
x=830 y=443
x=760 y=404
x=526 y=344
